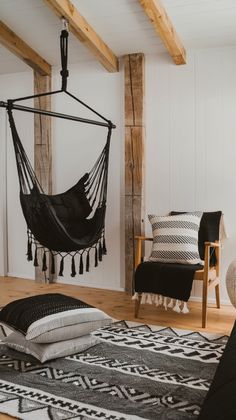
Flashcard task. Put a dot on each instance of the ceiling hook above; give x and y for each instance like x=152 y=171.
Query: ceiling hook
x=64 y=24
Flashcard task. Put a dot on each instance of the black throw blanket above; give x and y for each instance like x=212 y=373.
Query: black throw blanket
x=170 y=280
x=175 y=280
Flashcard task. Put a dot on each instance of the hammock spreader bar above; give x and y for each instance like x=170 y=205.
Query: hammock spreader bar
x=71 y=223
x=54 y=114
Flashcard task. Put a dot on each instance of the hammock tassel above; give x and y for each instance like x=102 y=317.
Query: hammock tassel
x=29 y=251
x=87 y=262
x=81 y=265
x=52 y=264
x=61 y=267
x=44 y=267
x=96 y=258
x=36 y=264
x=104 y=249
x=73 y=272
x=100 y=252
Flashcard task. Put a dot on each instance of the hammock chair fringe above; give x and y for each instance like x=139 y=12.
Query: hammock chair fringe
x=36 y=264
x=53 y=271
x=87 y=262
x=73 y=271
x=99 y=250
x=159 y=300
x=81 y=264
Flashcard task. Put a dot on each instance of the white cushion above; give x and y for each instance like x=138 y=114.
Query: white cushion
x=45 y=352
x=52 y=317
x=175 y=238
x=67 y=325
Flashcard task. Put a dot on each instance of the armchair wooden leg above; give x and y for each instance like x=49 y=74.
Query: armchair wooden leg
x=137 y=305
x=204 y=303
x=217 y=291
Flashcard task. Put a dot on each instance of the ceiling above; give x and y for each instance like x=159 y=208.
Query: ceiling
x=121 y=23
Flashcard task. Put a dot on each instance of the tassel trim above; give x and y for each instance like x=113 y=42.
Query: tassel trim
x=36 y=264
x=159 y=300
x=81 y=265
x=53 y=271
x=61 y=267
x=104 y=248
x=73 y=271
x=100 y=253
x=44 y=266
x=96 y=258
x=44 y=260
x=87 y=262
x=29 y=250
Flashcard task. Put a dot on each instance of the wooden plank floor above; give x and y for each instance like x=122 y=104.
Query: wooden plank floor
x=119 y=306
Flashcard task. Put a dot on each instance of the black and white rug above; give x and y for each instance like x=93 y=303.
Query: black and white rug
x=136 y=372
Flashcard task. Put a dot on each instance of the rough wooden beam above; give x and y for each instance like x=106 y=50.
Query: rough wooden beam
x=43 y=151
x=85 y=33
x=17 y=46
x=164 y=27
x=134 y=159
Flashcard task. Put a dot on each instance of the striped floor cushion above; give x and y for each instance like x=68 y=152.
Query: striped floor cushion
x=175 y=238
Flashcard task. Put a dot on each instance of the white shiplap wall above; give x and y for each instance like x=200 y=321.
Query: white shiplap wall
x=191 y=138
x=12 y=222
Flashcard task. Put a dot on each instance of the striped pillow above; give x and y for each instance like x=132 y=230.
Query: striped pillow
x=175 y=238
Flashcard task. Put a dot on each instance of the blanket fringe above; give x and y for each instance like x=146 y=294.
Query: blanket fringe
x=176 y=305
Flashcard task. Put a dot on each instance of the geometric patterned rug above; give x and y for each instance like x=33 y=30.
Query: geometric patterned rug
x=135 y=372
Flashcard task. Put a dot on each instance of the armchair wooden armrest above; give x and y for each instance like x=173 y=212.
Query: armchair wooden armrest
x=138 y=254
x=143 y=238
x=213 y=244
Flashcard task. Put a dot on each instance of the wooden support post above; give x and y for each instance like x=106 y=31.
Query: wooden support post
x=134 y=159
x=43 y=150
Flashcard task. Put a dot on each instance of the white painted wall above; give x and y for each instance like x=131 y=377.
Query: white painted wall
x=12 y=86
x=76 y=147
x=191 y=139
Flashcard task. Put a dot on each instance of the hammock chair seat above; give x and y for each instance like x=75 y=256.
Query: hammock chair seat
x=60 y=222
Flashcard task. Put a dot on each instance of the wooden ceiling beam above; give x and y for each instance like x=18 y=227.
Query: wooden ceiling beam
x=17 y=46
x=164 y=27
x=85 y=33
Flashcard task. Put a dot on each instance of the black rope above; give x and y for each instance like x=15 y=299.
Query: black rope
x=64 y=58
x=64 y=73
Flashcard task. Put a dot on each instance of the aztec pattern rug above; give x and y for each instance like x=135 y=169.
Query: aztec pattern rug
x=135 y=372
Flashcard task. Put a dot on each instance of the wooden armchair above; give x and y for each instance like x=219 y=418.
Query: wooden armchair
x=209 y=275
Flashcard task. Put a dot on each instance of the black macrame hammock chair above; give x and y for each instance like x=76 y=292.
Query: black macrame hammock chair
x=73 y=222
